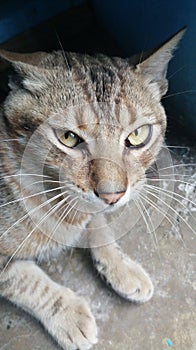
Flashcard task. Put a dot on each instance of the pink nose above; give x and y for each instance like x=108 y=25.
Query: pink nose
x=111 y=198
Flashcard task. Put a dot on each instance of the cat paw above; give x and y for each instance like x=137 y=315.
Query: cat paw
x=128 y=279
x=72 y=324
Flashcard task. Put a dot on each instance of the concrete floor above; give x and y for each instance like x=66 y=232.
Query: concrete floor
x=169 y=315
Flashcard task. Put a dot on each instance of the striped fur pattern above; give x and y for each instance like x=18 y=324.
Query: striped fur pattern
x=54 y=196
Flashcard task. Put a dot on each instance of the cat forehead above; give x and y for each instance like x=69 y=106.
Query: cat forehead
x=73 y=61
x=61 y=79
x=93 y=89
x=101 y=73
x=92 y=117
x=80 y=79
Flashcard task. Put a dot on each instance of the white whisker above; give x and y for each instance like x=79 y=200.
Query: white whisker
x=160 y=210
x=51 y=210
x=169 y=207
x=178 y=93
x=32 y=195
x=170 y=194
x=167 y=146
x=59 y=221
x=31 y=212
x=74 y=215
x=154 y=237
x=178 y=165
x=6 y=140
x=170 y=180
x=175 y=174
x=177 y=71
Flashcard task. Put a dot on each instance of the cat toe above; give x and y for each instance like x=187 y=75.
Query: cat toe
x=128 y=279
x=143 y=293
x=135 y=290
x=74 y=326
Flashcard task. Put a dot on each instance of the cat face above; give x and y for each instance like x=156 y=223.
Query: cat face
x=106 y=151
x=94 y=122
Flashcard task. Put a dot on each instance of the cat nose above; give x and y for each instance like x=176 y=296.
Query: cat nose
x=111 y=198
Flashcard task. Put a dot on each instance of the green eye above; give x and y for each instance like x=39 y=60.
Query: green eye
x=139 y=137
x=69 y=138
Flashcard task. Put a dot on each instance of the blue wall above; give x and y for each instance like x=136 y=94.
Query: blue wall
x=18 y=16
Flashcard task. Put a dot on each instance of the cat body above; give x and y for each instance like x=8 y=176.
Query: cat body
x=77 y=136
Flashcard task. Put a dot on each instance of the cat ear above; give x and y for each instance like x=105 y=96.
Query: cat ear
x=154 y=68
x=23 y=70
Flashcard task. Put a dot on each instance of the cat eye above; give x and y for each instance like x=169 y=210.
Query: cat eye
x=139 y=137
x=69 y=138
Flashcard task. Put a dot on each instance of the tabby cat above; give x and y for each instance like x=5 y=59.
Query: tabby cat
x=77 y=134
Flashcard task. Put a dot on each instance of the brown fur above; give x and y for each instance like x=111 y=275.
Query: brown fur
x=102 y=100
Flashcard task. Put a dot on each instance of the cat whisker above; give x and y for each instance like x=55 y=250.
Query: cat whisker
x=151 y=167
x=171 y=180
x=32 y=211
x=5 y=176
x=32 y=195
x=178 y=93
x=169 y=207
x=183 y=147
x=176 y=174
x=51 y=210
x=67 y=210
x=139 y=204
x=42 y=176
x=170 y=194
x=167 y=216
x=177 y=71
x=74 y=214
x=6 y=140
x=47 y=182
x=178 y=165
x=172 y=150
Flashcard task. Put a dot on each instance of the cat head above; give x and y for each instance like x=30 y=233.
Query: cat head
x=96 y=123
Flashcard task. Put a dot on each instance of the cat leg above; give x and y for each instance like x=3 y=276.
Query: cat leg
x=66 y=316
x=124 y=275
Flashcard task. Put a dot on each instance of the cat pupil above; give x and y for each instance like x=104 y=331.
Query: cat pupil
x=136 y=132
x=69 y=134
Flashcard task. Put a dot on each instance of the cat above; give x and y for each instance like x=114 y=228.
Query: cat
x=78 y=134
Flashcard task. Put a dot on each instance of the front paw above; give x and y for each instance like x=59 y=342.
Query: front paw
x=127 y=278
x=72 y=324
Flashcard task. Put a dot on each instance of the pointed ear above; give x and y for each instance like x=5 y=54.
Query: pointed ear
x=154 y=68
x=34 y=59
x=22 y=70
